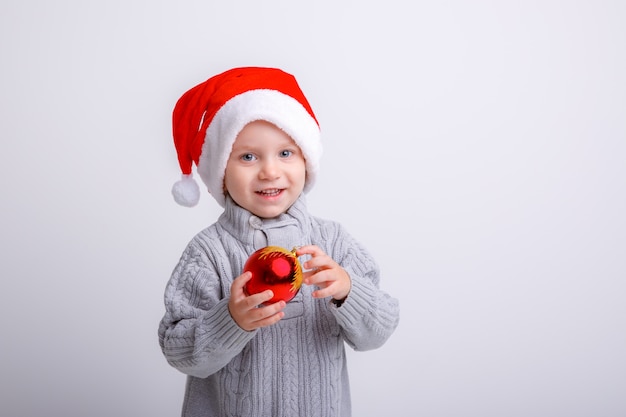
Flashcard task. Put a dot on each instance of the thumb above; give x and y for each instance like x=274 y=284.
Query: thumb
x=240 y=282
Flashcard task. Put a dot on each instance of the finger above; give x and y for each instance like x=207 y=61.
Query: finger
x=270 y=310
x=330 y=289
x=322 y=293
x=268 y=315
x=312 y=250
x=307 y=276
x=316 y=277
x=257 y=299
x=319 y=262
x=268 y=321
x=237 y=287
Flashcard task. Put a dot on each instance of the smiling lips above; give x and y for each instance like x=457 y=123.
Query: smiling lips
x=272 y=192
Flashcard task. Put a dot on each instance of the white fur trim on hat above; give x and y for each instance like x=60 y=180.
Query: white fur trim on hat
x=270 y=105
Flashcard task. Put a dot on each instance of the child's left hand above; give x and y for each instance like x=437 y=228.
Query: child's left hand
x=325 y=273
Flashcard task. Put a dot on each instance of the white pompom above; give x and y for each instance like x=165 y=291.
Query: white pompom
x=186 y=191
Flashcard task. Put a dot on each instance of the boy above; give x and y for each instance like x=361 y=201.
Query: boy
x=256 y=144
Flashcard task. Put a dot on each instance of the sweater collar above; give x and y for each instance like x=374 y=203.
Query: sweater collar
x=287 y=230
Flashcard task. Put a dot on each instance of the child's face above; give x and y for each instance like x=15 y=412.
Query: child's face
x=266 y=171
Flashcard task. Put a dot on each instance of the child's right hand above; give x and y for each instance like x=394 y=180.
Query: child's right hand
x=245 y=309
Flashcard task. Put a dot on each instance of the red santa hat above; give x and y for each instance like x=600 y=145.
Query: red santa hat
x=207 y=119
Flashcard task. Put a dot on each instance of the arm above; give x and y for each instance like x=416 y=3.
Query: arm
x=197 y=334
x=368 y=316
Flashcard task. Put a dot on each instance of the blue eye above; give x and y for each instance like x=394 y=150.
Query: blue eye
x=286 y=153
x=247 y=157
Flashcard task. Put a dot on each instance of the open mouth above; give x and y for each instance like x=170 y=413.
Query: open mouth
x=271 y=192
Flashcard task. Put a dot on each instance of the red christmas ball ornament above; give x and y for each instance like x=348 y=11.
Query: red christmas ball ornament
x=274 y=268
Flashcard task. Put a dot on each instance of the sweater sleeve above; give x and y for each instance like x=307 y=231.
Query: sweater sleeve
x=368 y=316
x=197 y=333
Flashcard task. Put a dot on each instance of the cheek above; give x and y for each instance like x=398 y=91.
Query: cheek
x=230 y=181
x=300 y=173
x=304 y=176
x=231 y=176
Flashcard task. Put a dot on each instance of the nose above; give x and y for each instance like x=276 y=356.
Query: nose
x=269 y=170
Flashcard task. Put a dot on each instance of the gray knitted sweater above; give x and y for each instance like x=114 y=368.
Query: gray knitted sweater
x=295 y=368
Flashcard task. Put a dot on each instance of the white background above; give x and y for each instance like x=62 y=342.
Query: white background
x=478 y=149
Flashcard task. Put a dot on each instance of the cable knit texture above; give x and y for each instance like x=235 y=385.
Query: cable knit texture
x=294 y=368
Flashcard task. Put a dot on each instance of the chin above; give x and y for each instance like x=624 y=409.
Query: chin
x=268 y=214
